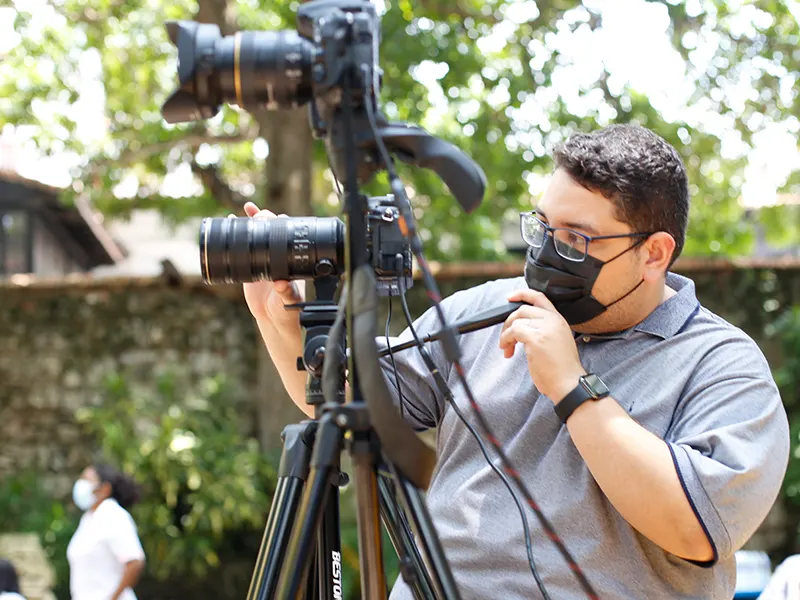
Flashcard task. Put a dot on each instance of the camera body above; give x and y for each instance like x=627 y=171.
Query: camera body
x=389 y=251
x=237 y=250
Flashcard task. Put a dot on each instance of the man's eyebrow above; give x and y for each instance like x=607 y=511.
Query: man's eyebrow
x=572 y=225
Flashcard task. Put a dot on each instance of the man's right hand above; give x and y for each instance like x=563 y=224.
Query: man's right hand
x=267 y=299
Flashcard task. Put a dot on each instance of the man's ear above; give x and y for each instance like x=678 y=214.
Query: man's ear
x=657 y=249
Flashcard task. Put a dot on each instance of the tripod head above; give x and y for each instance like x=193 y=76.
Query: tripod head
x=317 y=318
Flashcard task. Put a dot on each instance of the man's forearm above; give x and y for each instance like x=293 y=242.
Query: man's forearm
x=634 y=468
x=284 y=353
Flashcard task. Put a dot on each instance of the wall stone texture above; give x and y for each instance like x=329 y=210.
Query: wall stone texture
x=36 y=576
x=57 y=346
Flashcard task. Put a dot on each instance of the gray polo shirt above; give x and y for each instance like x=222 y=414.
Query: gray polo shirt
x=683 y=373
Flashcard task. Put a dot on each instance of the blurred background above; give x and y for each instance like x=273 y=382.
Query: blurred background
x=111 y=345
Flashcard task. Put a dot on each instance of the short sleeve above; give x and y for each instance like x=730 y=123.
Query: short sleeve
x=122 y=539
x=423 y=404
x=730 y=443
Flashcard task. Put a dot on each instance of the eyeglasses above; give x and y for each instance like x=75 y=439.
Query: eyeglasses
x=569 y=244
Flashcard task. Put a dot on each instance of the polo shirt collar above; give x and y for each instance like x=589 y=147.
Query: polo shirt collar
x=668 y=318
x=671 y=316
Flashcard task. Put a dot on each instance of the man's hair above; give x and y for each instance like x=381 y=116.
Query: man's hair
x=642 y=175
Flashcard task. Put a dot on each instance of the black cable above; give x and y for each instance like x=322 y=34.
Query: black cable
x=333 y=173
x=451 y=401
x=452 y=350
x=391 y=356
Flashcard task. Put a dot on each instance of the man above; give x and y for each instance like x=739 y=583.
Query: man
x=649 y=430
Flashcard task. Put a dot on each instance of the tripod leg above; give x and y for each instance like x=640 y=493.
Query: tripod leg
x=312 y=588
x=302 y=543
x=292 y=472
x=329 y=549
x=412 y=568
x=373 y=577
x=441 y=577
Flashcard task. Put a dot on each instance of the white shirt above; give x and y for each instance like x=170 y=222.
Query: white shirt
x=11 y=596
x=104 y=542
x=785 y=582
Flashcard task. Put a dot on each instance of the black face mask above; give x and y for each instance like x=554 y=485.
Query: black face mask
x=568 y=284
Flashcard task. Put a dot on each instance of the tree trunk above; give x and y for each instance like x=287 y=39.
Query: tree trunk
x=288 y=191
x=288 y=171
x=288 y=166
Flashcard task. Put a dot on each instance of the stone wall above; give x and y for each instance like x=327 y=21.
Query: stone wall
x=59 y=343
x=36 y=577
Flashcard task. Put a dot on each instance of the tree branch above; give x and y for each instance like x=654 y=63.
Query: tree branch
x=221 y=13
x=442 y=10
x=595 y=23
x=87 y=14
x=194 y=141
x=222 y=192
x=610 y=98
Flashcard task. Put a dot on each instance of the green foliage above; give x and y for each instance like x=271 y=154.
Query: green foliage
x=498 y=102
x=782 y=224
x=787 y=329
x=26 y=507
x=202 y=479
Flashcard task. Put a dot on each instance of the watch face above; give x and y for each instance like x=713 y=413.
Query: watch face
x=596 y=386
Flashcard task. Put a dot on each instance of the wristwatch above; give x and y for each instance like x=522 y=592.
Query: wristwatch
x=590 y=387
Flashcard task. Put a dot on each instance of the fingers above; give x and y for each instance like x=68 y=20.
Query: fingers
x=520 y=332
x=252 y=210
x=524 y=312
x=533 y=298
x=288 y=291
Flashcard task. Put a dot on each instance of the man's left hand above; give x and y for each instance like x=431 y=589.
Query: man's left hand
x=549 y=344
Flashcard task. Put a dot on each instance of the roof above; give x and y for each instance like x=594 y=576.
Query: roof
x=170 y=276
x=80 y=221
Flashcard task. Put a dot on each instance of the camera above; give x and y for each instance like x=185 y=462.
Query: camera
x=237 y=250
x=276 y=70
x=330 y=63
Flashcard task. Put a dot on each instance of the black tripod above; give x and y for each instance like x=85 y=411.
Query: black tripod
x=300 y=554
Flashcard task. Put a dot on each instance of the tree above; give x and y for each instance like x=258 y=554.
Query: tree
x=496 y=100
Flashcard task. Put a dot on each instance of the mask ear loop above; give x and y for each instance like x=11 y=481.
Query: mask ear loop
x=636 y=287
x=641 y=281
x=628 y=249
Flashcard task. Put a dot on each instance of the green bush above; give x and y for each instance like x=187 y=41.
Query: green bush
x=787 y=328
x=25 y=507
x=201 y=478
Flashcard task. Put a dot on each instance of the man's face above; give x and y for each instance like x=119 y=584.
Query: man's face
x=567 y=204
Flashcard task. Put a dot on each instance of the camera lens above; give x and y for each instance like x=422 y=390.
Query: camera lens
x=254 y=69
x=242 y=249
x=264 y=69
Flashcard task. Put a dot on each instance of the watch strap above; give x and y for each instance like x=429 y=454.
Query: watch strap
x=571 y=401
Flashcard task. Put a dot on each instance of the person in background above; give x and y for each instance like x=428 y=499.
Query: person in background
x=785 y=581
x=9 y=583
x=105 y=555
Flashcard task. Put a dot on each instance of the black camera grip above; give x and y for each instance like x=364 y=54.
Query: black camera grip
x=415 y=146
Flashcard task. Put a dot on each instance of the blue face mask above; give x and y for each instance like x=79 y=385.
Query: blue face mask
x=83 y=494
